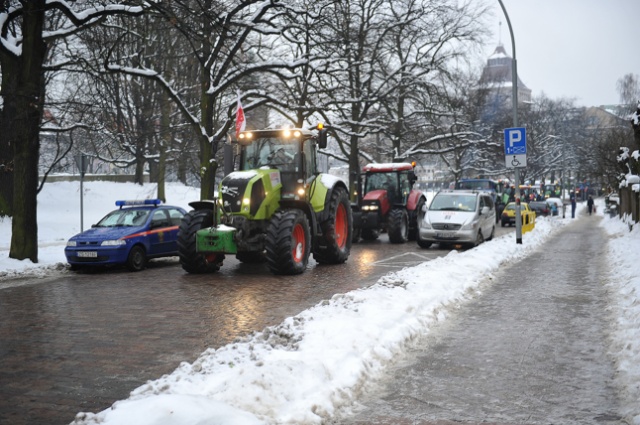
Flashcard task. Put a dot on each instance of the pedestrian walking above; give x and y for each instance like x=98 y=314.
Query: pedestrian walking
x=573 y=206
x=590 y=204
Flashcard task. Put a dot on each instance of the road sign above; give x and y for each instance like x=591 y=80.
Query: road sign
x=515 y=147
x=515 y=161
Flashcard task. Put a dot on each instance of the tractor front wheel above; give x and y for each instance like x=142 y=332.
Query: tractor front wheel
x=398 y=226
x=414 y=218
x=191 y=260
x=288 y=242
x=335 y=245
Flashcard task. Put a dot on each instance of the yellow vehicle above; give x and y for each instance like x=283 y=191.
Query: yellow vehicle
x=509 y=216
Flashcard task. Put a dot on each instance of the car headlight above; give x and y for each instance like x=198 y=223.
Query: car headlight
x=424 y=223
x=72 y=243
x=469 y=226
x=116 y=242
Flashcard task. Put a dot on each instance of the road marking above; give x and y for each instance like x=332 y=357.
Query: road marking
x=412 y=259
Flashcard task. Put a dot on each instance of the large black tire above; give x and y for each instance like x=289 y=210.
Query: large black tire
x=370 y=234
x=191 y=260
x=337 y=231
x=414 y=216
x=137 y=259
x=398 y=225
x=288 y=242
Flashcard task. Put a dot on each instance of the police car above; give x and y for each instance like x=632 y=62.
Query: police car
x=130 y=235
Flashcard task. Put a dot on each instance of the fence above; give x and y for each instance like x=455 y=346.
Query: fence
x=629 y=204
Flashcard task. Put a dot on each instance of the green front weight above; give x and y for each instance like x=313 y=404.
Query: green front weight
x=216 y=240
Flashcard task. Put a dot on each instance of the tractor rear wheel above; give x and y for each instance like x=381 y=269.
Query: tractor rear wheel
x=288 y=242
x=335 y=245
x=398 y=225
x=191 y=260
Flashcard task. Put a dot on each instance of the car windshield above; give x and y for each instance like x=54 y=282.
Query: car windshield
x=127 y=217
x=453 y=203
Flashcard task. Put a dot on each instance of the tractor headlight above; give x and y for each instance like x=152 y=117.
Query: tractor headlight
x=373 y=207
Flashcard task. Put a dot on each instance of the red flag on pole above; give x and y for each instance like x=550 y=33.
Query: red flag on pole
x=240 y=123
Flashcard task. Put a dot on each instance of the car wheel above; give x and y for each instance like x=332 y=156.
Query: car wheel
x=479 y=239
x=137 y=259
x=493 y=232
x=422 y=243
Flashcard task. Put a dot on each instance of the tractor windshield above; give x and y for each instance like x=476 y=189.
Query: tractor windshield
x=271 y=152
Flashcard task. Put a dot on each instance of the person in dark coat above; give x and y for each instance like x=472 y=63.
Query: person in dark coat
x=573 y=205
x=590 y=204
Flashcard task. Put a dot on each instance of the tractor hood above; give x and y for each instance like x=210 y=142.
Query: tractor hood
x=244 y=191
x=375 y=195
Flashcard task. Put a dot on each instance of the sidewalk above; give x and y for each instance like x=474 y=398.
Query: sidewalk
x=531 y=349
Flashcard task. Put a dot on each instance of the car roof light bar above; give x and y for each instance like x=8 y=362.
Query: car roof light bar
x=129 y=203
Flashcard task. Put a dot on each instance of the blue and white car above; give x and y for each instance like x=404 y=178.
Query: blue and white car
x=130 y=235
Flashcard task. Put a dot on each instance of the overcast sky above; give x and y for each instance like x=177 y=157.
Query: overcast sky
x=571 y=48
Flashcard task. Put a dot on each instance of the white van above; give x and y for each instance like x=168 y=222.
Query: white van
x=457 y=217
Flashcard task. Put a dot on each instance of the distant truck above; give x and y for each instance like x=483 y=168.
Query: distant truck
x=387 y=202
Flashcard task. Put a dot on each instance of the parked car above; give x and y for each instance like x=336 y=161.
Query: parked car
x=130 y=235
x=458 y=217
x=558 y=202
x=541 y=208
x=509 y=213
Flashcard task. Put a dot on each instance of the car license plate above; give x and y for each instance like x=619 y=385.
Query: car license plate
x=445 y=235
x=88 y=254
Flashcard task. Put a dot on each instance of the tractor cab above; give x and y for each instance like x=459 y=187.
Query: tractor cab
x=290 y=151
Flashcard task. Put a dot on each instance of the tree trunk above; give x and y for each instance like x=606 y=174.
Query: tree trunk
x=10 y=71
x=26 y=146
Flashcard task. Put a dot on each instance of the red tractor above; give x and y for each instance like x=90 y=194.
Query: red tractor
x=387 y=202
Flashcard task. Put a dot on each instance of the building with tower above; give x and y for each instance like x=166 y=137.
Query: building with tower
x=496 y=81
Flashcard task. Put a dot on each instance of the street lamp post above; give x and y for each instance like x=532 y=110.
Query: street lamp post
x=514 y=96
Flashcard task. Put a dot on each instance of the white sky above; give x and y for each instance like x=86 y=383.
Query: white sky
x=571 y=48
x=311 y=366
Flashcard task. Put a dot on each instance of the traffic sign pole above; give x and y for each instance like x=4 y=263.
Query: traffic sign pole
x=514 y=100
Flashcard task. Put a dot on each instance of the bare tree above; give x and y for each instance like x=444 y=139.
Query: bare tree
x=23 y=50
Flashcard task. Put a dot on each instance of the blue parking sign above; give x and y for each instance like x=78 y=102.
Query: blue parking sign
x=515 y=141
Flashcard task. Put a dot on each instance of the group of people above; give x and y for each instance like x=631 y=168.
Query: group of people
x=509 y=196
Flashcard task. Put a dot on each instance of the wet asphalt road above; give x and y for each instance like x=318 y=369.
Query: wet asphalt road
x=531 y=349
x=81 y=341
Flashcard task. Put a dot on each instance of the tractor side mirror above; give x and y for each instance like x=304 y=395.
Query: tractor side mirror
x=322 y=138
x=412 y=178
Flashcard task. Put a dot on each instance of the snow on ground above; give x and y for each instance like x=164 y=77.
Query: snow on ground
x=315 y=363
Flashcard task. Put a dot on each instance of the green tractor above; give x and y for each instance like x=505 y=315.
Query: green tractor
x=276 y=208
